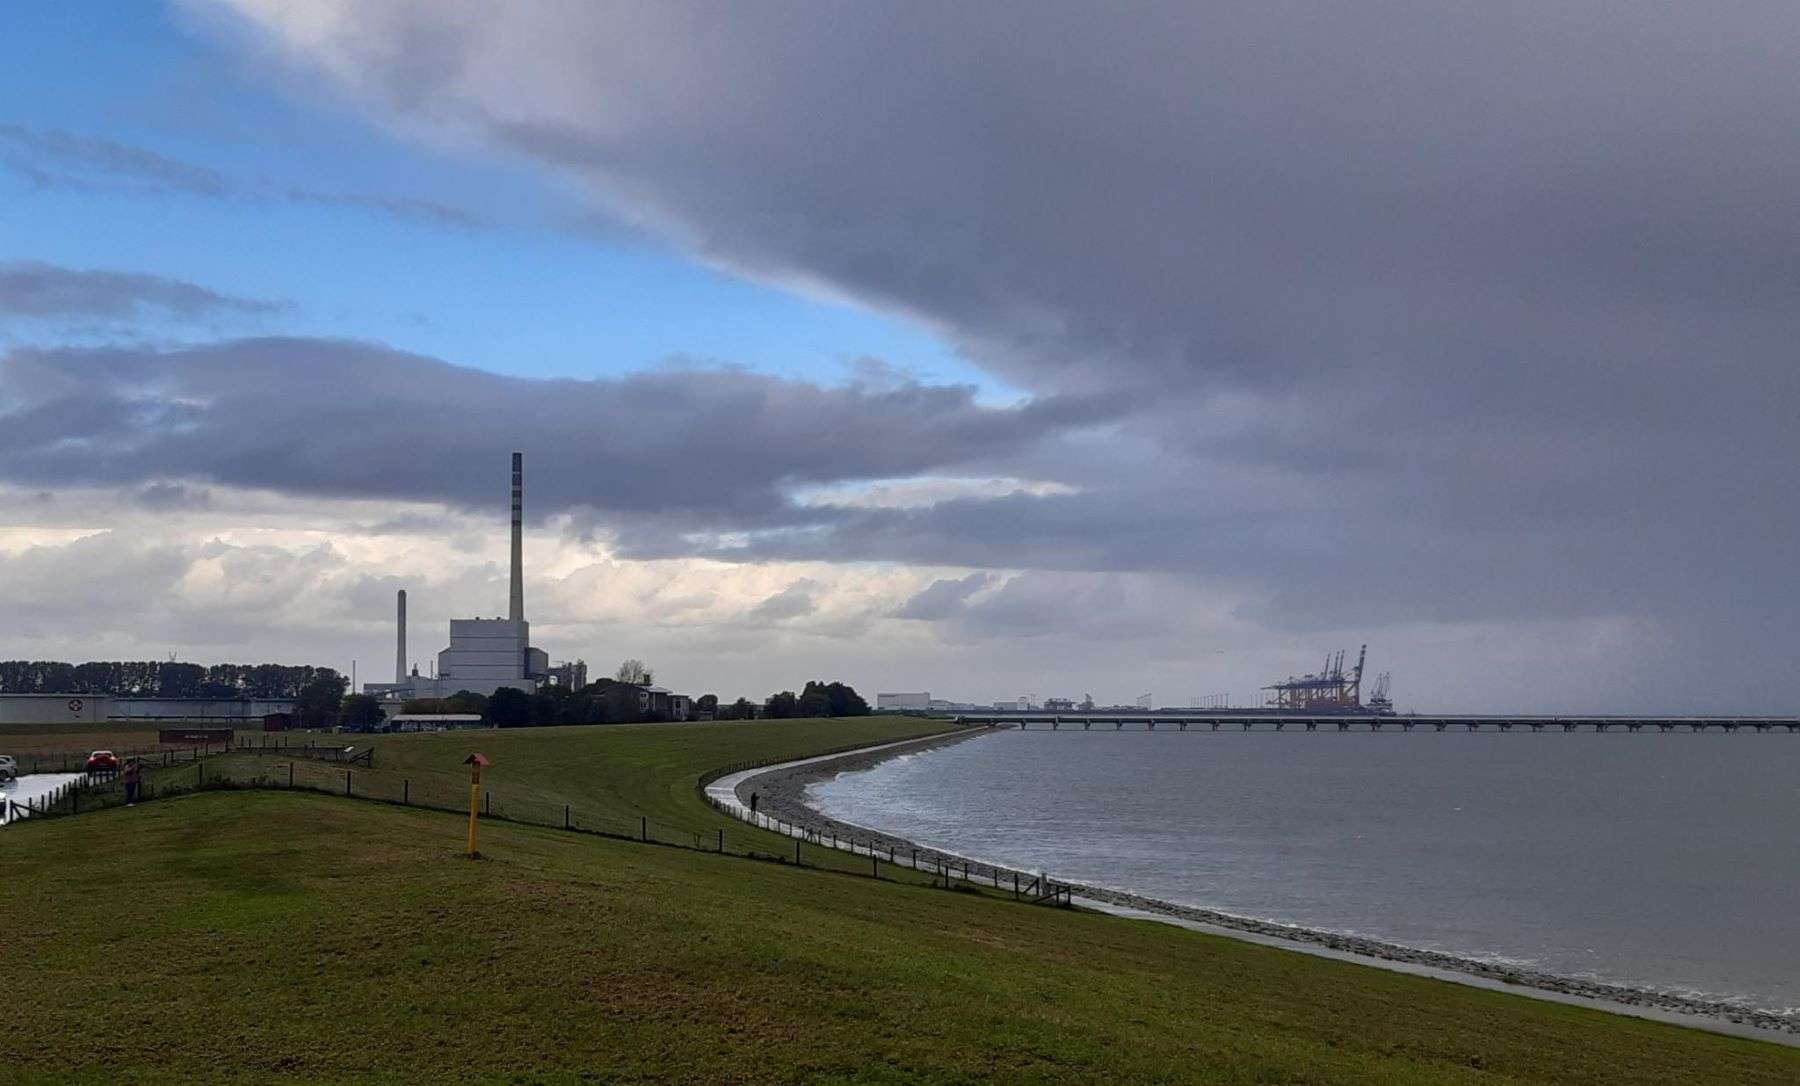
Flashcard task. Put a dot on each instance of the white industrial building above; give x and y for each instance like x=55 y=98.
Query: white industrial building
x=485 y=654
x=55 y=708
x=104 y=708
x=921 y=702
x=918 y=702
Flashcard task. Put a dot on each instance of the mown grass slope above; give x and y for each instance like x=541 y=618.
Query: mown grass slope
x=610 y=775
x=36 y=740
x=626 y=779
x=261 y=935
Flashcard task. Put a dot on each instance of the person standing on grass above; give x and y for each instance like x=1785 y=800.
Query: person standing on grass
x=753 y=803
x=134 y=771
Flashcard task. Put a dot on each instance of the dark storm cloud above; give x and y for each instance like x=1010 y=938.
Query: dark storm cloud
x=171 y=497
x=1462 y=289
x=29 y=289
x=658 y=454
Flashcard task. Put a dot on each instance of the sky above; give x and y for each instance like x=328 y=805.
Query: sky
x=1013 y=349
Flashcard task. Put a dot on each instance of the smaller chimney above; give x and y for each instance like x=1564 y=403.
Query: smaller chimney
x=400 y=638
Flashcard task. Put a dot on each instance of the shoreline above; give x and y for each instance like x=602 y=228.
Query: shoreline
x=782 y=792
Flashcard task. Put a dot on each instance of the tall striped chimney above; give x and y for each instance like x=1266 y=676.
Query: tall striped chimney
x=517 y=611
x=400 y=638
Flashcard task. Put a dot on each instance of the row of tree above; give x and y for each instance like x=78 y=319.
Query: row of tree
x=158 y=678
x=324 y=699
x=611 y=701
x=605 y=701
x=816 y=700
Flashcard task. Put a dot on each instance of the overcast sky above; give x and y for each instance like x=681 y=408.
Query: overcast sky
x=982 y=349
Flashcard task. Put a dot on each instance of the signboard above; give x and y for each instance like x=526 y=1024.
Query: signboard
x=194 y=737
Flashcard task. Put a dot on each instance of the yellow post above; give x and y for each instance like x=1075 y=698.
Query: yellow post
x=474 y=762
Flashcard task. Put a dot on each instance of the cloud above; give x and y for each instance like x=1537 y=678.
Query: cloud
x=29 y=289
x=944 y=597
x=794 y=601
x=173 y=496
x=653 y=456
x=1429 y=315
x=66 y=158
x=50 y=158
x=433 y=211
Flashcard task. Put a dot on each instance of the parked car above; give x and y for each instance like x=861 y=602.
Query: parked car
x=102 y=761
x=9 y=767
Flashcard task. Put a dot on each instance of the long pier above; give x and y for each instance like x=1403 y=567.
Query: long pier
x=1344 y=722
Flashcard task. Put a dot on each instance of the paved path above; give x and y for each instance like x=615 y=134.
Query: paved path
x=30 y=787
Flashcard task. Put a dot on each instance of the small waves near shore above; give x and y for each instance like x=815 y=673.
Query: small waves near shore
x=1594 y=867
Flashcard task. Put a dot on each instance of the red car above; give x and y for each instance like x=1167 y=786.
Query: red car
x=102 y=761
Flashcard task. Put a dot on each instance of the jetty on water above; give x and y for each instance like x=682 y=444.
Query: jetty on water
x=1343 y=722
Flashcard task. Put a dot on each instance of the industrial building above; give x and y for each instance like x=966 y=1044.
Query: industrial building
x=485 y=654
x=569 y=676
x=919 y=702
x=104 y=708
x=54 y=708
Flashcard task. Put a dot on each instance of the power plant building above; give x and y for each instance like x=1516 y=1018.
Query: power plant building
x=485 y=654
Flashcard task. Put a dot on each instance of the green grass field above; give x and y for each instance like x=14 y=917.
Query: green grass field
x=271 y=935
x=21 y=740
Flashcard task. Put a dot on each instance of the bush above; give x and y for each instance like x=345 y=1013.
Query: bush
x=509 y=707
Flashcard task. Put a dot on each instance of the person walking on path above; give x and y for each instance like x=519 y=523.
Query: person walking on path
x=134 y=771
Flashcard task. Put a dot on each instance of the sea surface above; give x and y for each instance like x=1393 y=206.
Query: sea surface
x=1661 y=861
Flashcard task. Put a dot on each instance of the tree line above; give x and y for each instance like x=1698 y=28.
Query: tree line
x=816 y=699
x=596 y=703
x=159 y=678
x=324 y=698
x=613 y=701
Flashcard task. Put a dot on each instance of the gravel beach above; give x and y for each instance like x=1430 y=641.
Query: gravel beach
x=782 y=793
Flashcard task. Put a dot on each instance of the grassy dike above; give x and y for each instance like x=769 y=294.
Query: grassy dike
x=259 y=935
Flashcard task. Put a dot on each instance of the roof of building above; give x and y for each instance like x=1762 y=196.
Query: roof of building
x=447 y=718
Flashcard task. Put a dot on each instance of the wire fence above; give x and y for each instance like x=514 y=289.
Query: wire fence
x=804 y=846
x=69 y=761
x=950 y=869
x=947 y=867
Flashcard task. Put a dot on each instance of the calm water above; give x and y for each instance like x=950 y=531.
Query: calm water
x=1662 y=861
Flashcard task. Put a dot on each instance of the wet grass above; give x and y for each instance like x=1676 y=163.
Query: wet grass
x=261 y=935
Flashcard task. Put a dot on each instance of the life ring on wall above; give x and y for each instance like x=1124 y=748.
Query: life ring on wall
x=74 y=705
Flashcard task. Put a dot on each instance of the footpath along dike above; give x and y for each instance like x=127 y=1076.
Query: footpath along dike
x=781 y=794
